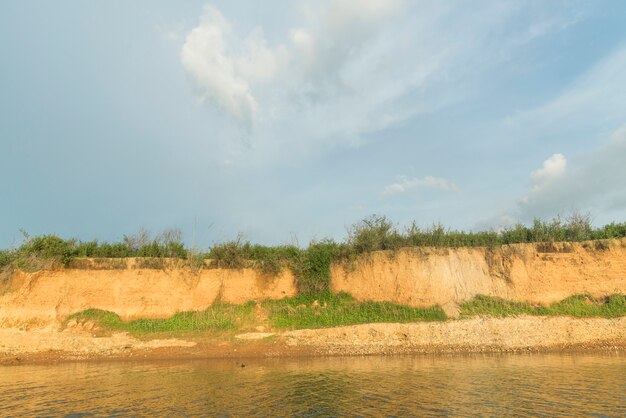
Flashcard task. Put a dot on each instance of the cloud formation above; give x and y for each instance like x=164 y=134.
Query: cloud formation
x=234 y=71
x=553 y=168
x=589 y=115
x=592 y=182
x=595 y=181
x=405 y=184
x=350 y=67
x=219 y=76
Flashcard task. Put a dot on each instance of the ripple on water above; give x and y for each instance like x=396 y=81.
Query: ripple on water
x=523 y=385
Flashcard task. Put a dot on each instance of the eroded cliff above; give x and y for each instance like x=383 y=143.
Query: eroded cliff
x=536 y=273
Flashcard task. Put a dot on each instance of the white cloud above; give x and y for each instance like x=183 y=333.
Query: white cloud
x=349 y=67
x=594 y=177
x=245 y=76
x=594 y=181
x=553 y=168
x=405 y=184
x=217 y=74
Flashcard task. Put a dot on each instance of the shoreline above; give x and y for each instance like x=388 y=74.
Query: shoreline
x=52 y=358
x=520 y=334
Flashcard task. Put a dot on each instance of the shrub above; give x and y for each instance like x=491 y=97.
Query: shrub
x=6 y=258
x=44 y=251
x=231 y=254
x=374 y=233
x=313 y=267
x=578 y=227
x=271 y=260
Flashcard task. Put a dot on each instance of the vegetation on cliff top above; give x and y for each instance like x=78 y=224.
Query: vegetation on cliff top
x=311 y=265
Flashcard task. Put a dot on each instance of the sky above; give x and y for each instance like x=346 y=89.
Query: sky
x=289 y=121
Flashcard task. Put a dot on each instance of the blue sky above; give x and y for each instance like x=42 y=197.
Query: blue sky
x=288 y=121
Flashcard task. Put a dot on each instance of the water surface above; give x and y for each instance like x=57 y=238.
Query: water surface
x=478 y=385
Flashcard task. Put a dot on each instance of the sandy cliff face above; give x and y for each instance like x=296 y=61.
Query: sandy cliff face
x=537 y=273
x=542 y=273
x=49 y=296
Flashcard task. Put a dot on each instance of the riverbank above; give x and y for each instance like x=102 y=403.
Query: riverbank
x=518 y=297
x=475 y=335
x=416 y=277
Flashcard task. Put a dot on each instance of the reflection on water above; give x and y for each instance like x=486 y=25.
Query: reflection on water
x=522 y=385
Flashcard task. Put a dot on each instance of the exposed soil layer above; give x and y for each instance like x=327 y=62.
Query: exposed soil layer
x=47 y=297
x=537 y=273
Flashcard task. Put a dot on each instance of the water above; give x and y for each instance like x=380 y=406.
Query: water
x=519 y=385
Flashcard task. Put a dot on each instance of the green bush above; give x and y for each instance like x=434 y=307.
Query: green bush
x=44 y=251
x=313 y=267
x=231 y=254
x=6 y=258
x=272 y=260
x=373 y=234
x=239 y=254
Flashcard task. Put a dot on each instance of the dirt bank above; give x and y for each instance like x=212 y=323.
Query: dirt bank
x=535 y=273
x=48 y=297
x=33 y=305
x=458 y=336
x=134 y=288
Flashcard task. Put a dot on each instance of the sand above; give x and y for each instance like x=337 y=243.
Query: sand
x=455 y=336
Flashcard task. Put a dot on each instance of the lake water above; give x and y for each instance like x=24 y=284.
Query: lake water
x=477 y=385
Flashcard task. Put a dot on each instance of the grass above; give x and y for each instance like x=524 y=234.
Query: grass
x=304 y=311
x=215 y=319
x=576 y=306
x=378 y=233
x=51 y=251
x=333 y=310
x=328 y=310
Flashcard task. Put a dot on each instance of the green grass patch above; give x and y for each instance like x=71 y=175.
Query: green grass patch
x=216 y=318
x=328 y=310
x=303 y=311
x=576 y=306
x=332 y=310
